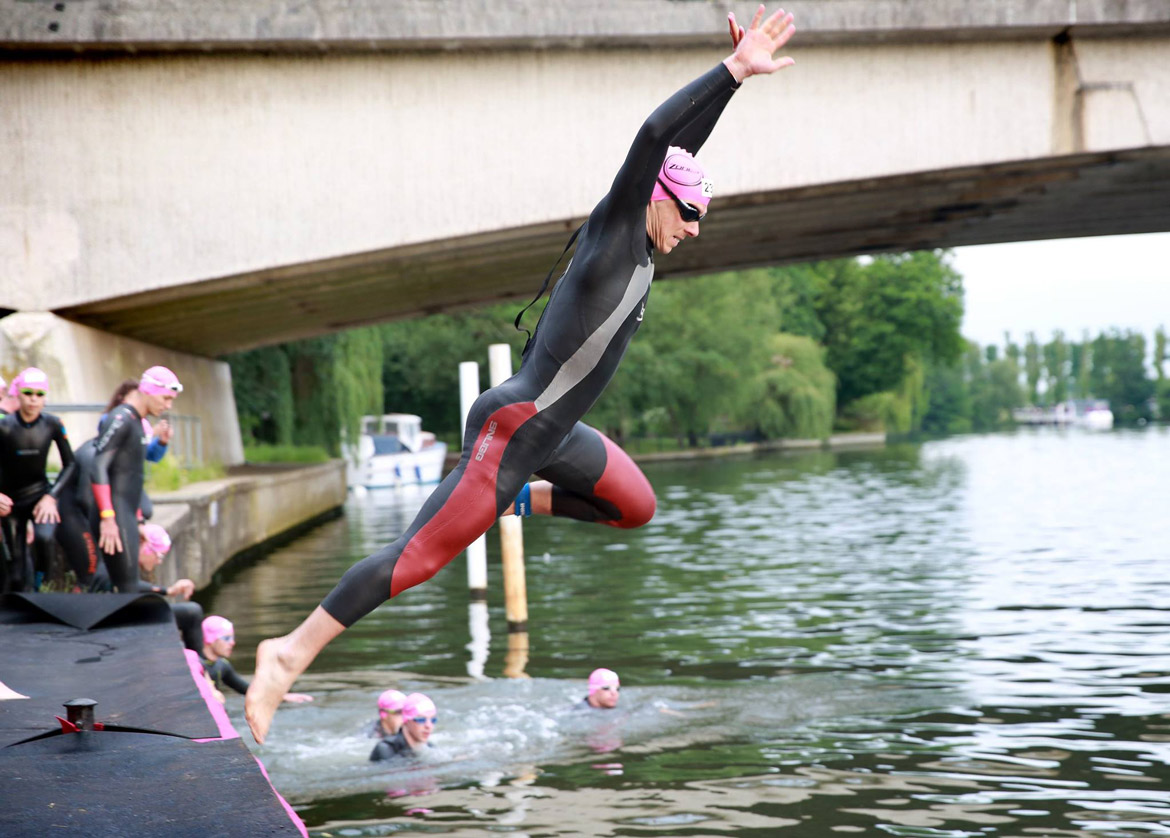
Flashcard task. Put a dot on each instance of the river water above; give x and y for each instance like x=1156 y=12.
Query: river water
x=966 y=637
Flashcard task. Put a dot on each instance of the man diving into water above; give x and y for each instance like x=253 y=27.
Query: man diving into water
x=530 y=424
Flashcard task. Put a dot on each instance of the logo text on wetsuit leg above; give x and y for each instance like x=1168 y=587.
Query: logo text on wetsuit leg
x=487 y=440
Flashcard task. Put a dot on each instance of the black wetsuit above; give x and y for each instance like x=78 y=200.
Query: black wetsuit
x=530 y=424
x=76 y=532
x=393 y=746
x=117 y=475
x=24 y=450
x=222 y=674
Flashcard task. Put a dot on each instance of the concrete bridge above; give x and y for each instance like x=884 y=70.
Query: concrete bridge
x=203 y=178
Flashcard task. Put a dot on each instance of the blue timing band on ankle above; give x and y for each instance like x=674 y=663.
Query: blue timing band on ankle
x=523 y=507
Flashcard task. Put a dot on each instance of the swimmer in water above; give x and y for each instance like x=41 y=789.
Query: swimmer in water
x=389 y=720
x=418 y=722
x=604 y=690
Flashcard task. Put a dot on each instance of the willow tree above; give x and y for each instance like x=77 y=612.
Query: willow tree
x=795 y=395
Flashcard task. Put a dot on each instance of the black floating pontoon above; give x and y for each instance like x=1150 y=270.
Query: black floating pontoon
x=129 y=763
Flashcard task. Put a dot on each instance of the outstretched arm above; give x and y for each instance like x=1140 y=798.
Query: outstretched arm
x=687 y=118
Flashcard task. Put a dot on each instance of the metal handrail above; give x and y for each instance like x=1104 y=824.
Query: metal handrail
x=186 y=446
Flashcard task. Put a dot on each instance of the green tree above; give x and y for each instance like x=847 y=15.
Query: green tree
x=701 y=345
x=949 y=404
x=1161 y=382
x=881 y=318
x=1119 y=374
x=421 y=357
x=795 y=394
x=1033 y=369
x=1084 y=374
x=262 y=385
x=1056 y=363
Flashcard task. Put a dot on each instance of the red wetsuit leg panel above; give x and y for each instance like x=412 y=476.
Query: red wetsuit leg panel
x=624 y=485
x=471 y=507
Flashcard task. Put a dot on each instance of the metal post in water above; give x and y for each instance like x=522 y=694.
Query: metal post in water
x=511 y=539
x=477 y=550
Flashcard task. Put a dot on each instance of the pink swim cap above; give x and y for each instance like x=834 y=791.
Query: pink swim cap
x=215 y=627
x=32 y=378
x=684 y=177
x=600 y=678
x=159 y=381
x=159 y=543
x=391 y=700
x=417 y=704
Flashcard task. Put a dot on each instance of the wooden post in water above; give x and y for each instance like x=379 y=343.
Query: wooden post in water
x=511 y=547
x=477 y=550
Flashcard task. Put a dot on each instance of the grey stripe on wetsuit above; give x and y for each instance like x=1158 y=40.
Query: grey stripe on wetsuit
x=585 y=359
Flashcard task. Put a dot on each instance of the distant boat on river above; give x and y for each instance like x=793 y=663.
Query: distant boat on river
x=394 y=450
x=1092 y=414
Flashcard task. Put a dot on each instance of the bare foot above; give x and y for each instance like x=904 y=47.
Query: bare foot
x=274 y=675
x=278 y=664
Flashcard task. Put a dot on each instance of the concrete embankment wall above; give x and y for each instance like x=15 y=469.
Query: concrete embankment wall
x=213 y=521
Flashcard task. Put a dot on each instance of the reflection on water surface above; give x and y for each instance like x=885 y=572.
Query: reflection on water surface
x=962 y=638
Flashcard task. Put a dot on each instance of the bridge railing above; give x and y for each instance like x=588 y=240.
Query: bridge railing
x=186 y=446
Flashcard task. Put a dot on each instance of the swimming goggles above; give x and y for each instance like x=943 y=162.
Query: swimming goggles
x=689 y=212
x=173 y=386
x=423 y=719
x=31 y=392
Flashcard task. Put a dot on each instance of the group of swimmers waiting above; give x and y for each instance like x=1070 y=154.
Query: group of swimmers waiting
x=405 y=722
x=96 y=510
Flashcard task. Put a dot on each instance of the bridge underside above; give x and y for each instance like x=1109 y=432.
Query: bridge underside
x=1092 y=194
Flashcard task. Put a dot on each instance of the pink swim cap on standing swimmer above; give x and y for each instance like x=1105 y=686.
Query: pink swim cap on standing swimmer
x=157 y=540
x=683 y=175
x=32 y=378
x=601 y=678
x=159 y=381
x=417 y=704
x=215 y=627
x=391 y=700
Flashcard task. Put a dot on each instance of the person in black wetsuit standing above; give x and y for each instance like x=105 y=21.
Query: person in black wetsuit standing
x=117 y=472
x=25 y=439
x=530 y=424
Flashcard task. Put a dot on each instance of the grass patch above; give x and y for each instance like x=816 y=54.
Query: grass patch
x=285 y=454
x=167 y=475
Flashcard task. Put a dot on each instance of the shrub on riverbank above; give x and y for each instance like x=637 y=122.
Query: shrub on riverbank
x=168 y=475
x=303 y=454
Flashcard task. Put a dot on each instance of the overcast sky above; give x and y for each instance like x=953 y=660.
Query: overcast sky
x=1068 y=284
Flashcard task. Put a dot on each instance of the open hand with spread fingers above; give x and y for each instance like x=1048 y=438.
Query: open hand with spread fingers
x=756 y=45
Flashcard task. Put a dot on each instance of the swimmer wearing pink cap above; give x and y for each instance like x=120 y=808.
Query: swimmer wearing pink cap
x=418 y=722
x=219 y=639
x=118 y=471
x=604 y=689
x=153 y=544
x=389 y=720
x=26 y=494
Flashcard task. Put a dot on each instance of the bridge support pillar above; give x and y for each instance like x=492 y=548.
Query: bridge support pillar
x=85 y=365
